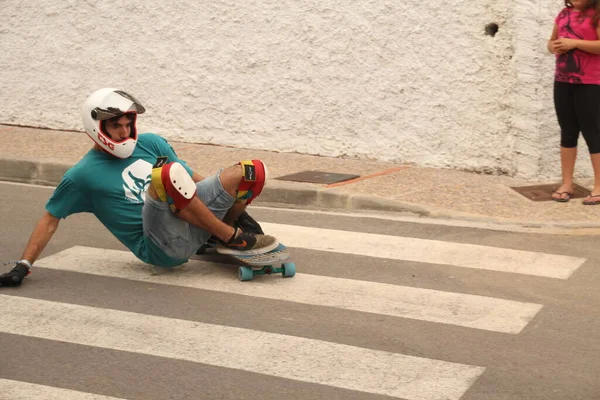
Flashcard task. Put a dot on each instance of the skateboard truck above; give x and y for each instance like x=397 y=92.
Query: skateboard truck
x=259 y=264
x=247 y=273
x=265 y=264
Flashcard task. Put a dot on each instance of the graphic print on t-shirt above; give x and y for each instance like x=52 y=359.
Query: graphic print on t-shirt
x=136 y=179
x=576 y=66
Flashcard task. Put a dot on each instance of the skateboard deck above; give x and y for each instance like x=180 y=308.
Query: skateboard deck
x=261 y=264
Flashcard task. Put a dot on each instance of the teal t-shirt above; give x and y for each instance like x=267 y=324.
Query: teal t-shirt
x=113 y=190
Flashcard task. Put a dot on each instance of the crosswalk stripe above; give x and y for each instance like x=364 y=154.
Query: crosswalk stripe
x=14 y=390
x=425 y=250
x=284 y=356
x=400 y=301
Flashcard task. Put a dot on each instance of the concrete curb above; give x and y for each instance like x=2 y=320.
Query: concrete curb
x=315 y=196
x=23 y=171
x=300 y=195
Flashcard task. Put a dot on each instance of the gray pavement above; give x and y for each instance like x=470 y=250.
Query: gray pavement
x=361 y=298
x=41 y=156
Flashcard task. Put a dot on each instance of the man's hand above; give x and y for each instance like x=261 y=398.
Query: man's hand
x=15 y=276
x=241 y=240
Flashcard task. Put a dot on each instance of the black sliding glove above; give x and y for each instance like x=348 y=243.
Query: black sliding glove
x=15 y=276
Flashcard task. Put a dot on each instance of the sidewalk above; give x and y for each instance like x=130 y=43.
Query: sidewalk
x=41 y=156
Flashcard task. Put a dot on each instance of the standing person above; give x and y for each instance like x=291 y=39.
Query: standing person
x=575 y=42
x=145 y=195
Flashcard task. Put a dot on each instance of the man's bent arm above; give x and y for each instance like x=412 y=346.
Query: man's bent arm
x=196 y=213
x=40 y=237
x=197 y=177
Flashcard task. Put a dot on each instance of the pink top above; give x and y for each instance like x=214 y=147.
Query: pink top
x=577 y=66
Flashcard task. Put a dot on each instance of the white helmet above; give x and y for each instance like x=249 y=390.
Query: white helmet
x=105 y=104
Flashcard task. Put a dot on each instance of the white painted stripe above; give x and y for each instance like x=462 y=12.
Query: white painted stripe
x=399 y=301
x=424 y=250
x=15 y=390
x=284 y=356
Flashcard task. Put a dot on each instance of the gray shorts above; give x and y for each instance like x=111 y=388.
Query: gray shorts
x=177 y=238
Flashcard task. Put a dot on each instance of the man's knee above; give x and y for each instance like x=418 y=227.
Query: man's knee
x=173 y=185
x=254 y=178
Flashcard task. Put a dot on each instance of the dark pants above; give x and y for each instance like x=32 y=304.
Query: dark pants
x=578 y=110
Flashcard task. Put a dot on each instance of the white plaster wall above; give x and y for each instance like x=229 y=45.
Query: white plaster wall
x=379 y=79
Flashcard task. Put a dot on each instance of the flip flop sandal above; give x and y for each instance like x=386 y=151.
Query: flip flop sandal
x=564 y=199
x=592 y=202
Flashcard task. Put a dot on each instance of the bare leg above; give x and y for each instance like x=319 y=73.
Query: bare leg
x=568 y=156
x=230 y=179
x=596 y=164
x=234 y=212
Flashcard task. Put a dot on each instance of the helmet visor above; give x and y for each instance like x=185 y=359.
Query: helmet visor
x=126 y=104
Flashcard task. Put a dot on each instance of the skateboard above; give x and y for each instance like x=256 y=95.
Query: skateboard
x=261 y=264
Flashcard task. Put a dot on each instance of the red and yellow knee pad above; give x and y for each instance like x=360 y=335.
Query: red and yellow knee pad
x=174 y=185
x=254 y=179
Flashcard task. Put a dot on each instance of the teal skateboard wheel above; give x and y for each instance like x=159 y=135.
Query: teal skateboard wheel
x=289 y=269
x=245 y=274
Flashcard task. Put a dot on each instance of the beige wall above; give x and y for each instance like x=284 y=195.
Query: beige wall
x=397 y=81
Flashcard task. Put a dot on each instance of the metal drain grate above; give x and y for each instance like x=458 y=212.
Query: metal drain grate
x=317 y=177
x=544 y=192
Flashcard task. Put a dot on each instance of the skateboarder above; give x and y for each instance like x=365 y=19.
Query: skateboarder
x=145 y=195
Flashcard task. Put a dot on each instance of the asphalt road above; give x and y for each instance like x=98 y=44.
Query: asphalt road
x=381 y=307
